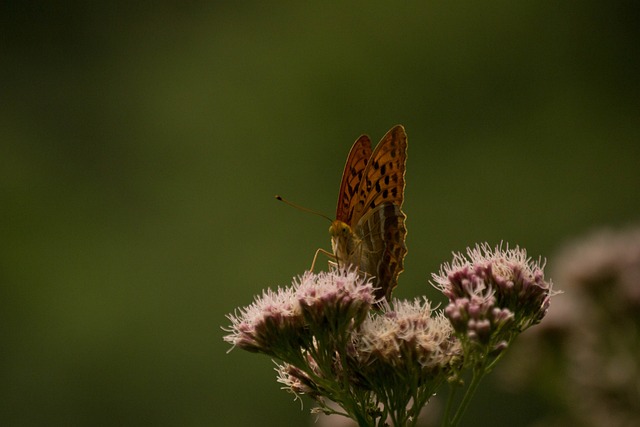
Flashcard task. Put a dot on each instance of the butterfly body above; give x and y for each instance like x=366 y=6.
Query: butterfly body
x=369 y=231
x=346 y=245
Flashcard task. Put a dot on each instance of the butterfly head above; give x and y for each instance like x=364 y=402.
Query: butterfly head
x=339 y=228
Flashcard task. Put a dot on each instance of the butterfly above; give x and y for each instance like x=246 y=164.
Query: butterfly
x=369 y=230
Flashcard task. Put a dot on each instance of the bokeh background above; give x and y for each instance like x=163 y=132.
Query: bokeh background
x=141 y=145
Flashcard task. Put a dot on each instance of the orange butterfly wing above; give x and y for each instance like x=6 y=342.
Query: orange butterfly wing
x=351 y=176
x=383 y=177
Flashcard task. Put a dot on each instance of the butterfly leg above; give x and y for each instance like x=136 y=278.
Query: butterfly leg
x=320 y=250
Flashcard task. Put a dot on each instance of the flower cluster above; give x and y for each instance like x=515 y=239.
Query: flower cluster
x=381 y=362
x=282 y=323
x=494 y=294
x=331 y=302
x=406 y=340
x=403 y=354
x=336 y=346
x=272 y=322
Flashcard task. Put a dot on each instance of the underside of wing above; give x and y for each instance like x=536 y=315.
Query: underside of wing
x=383 y=176
x=351 y=178
x=382 y=233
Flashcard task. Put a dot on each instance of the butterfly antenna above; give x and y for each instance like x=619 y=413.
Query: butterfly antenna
x=302 y=208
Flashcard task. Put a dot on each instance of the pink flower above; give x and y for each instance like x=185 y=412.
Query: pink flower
x=494 y=294
x=285 y=322
x=406 y=340
x=273 y=320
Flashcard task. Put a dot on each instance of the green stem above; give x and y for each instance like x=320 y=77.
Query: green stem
x=447 y=409
x=478 y=373
x=362 y=422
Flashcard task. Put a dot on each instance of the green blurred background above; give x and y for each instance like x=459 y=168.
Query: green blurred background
x=141 y=146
